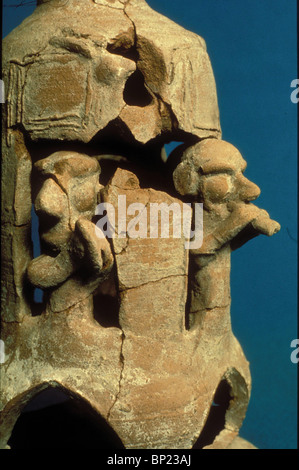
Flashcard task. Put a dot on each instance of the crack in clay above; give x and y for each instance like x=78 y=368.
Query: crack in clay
x=133 y=24
x=123 y=250
x=155 y=94
x=124 y=289
x=14 y=224
x=111 y=6
x=210 y=309
x=122 y=362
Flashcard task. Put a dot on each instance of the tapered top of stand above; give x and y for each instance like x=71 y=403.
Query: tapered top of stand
x=109 y=3
x=108 y=42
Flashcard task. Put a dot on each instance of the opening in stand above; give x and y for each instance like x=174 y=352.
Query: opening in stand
x=228 y=408
x=56 y=420
x=38 y=294
x=215 y=422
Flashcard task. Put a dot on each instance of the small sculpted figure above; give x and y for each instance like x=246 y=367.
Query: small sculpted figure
x=74 y=260
x=212 y=172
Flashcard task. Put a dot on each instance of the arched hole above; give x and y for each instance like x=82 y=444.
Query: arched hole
x=172 y=156
x=124 y=49
x=170 y=147
x=54 y=420
x=106 y=303
x=38 y=294
x=135 y=92
x=215 y=422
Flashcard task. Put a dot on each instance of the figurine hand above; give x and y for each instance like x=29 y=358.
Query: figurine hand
x=244 y=212
x=259 y=218
x=265 y=225
x=47 y=272
x=95 y=251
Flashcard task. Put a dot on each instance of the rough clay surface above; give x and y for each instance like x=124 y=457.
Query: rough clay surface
x=95 y=88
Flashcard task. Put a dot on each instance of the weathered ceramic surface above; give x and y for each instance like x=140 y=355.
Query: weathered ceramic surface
x=95 y=88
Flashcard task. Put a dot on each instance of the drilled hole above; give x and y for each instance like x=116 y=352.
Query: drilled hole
x=106 y=303
x=53 y=420
x=135 y=92
x=216 y=420
x=38 y=294
x=171 y=146
x=125 y=50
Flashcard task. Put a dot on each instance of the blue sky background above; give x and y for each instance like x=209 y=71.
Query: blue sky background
x=252 y=46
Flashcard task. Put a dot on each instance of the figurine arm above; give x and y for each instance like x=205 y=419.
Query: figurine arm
x=95 y=252
x=45 y=271
x=242 y=216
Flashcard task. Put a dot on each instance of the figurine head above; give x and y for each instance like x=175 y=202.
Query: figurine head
x=213 y=170
x=70 y=184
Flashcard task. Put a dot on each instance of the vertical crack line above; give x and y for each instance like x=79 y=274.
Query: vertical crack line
x=133 y=24
x=173 y=118
x=122 y=362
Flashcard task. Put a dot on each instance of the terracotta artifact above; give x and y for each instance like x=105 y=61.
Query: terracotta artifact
x=135 y=319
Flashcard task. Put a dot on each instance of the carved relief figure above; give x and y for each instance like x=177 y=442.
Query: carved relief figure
x=212 y=172
x=75 y=260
